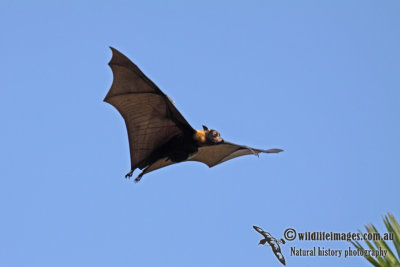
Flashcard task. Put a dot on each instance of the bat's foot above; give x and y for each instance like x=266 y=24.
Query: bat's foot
x=137 y=179
x=129 y=174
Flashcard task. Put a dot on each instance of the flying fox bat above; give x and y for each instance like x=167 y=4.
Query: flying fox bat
x=273 y=242
x=158 y=134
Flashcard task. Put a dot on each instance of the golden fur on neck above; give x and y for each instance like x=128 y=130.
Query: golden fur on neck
x=200 y=136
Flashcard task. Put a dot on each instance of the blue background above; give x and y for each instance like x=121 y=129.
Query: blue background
x=319 y=79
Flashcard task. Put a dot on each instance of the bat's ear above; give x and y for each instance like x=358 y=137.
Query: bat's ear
x=205 y=128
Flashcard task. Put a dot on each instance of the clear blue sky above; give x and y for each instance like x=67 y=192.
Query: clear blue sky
x=319 y=79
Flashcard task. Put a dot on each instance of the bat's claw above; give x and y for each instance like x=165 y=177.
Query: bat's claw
x=137 y=179
x=129 y=174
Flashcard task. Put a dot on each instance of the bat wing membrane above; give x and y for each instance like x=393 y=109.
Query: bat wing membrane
x=215 y=154
x=150 y=117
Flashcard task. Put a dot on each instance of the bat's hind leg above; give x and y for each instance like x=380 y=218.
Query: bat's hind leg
x=137 y=179
x=129 y=174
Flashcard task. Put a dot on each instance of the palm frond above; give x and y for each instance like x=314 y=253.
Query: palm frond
x=393 y=229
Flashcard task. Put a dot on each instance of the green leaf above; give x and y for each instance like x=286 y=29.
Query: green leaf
x=390 y=260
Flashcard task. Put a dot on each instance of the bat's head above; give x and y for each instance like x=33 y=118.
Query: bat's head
x=212 y=136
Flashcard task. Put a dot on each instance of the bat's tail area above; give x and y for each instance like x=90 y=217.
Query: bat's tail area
x=151 y=167
x=137 y=179
x=144 y=171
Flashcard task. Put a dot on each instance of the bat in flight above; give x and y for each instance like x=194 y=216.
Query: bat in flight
x=158 y=134
x=273 y=242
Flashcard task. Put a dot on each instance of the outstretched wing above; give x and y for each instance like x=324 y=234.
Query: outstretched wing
x=216 y=154
x=150 y=117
